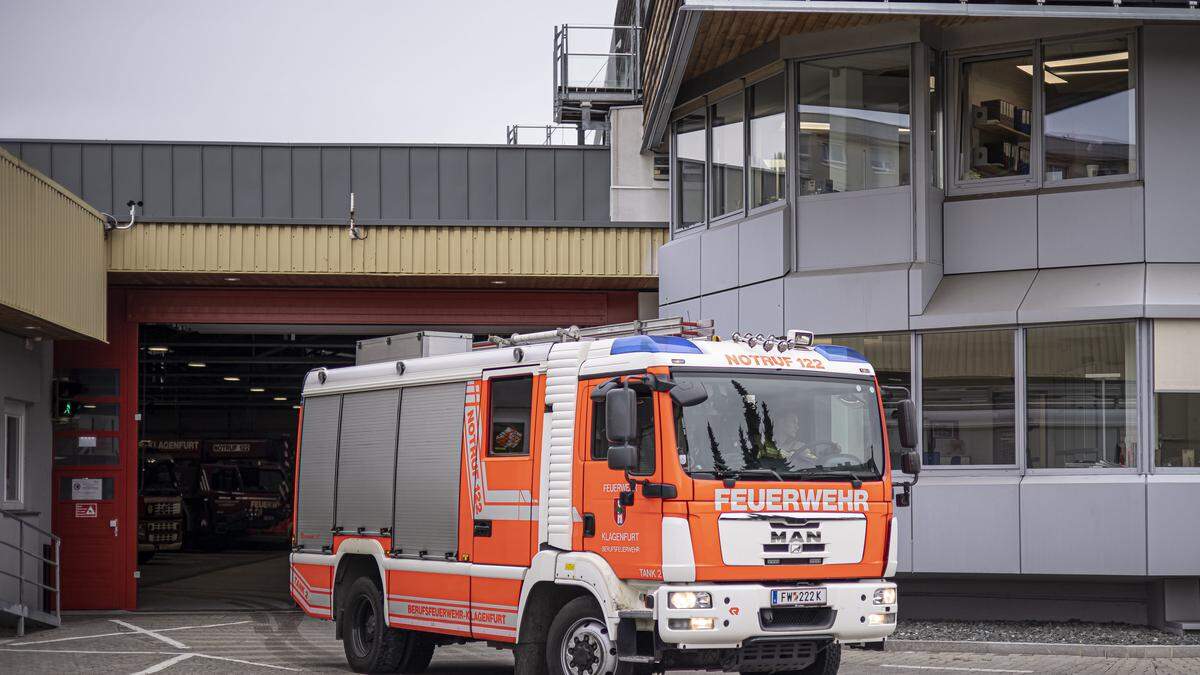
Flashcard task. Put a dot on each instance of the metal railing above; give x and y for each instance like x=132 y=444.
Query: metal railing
x=20 y=608
x=549 y=134
x=596 y=59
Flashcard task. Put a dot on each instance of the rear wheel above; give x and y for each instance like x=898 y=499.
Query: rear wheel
x=579 y=643
x=370 y=645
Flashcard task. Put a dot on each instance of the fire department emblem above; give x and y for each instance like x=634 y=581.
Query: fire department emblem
x=618 y=512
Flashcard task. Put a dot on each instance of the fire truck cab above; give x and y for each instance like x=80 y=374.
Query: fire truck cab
x=623 y=499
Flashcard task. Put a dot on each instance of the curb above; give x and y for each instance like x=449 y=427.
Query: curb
x=1044 y=649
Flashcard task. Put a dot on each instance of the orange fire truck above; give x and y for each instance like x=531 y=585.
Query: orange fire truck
x=622 y=499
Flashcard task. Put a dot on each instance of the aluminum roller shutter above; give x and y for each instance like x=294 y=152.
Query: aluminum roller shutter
x=366 y=460
x=318 y=461
x=427 y=469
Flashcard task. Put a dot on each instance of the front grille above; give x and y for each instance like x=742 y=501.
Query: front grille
x=765 y=655
x=796 y=618
x=163 y=509
x=161 y=525
x=167 y=538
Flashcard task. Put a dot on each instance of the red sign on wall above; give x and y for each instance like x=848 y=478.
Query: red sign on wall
x=86 y=509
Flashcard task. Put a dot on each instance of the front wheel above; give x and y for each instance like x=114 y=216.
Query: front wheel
x=579 y=643
x=370 y=645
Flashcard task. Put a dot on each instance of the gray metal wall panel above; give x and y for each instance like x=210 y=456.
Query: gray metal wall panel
x=364 y=181
x=37 y=155
x=1095 y=227
x=722 y=308
x=306 y=183
x=985 y=235
x=218 y=181
x=539 y=184
x=97 y=176
x=760 y=308
x=453 y=183
x=156 y=181
x=1083 y=525
x=481 y=183
x=1172 y=291
x=13 y=147
x=858 y=302
x=67 y=163
x=427 y=469
x=318 y=462
x=367 y=460
x=923 y=280
x=423 y=168
x=247 y=181
x=688 y=309
x=968 y=524
x=762 y=251
x=904 y=543
x=277 y=182
x=596 y=178
x=127 y=176
x=188 y=192
x=335 y=183
x=873 y=227
x=679 y=269
x=1170 y=84
x=511 y=184
x=395 y=201
x=1085 y=294
x=568 y=185
x=1173 y=540
x=719 y=258
x=982 y=299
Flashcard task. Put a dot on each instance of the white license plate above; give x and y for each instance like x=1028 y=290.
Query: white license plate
x=787 y=597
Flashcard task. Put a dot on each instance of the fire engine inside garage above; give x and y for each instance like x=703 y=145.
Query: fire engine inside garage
x=238 y=269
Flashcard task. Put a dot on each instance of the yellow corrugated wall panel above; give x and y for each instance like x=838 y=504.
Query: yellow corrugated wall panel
x=52 y=253
x=485 y=250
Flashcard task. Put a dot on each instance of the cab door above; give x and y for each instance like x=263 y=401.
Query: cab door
x=629 y=537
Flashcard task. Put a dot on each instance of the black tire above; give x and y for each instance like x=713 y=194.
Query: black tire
x=370 y=645
x=582 y=622
x=829 y=660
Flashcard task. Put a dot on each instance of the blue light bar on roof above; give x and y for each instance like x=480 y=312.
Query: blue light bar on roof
x=840 y=353
x=654 y=344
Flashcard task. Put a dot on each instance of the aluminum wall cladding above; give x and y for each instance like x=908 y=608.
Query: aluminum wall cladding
x=279 y=184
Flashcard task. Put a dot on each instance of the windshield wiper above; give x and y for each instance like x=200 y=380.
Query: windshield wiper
x=769 y=472
x=733 y=474
x=820 y=472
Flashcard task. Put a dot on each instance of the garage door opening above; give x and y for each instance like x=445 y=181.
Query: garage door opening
x=219 y=407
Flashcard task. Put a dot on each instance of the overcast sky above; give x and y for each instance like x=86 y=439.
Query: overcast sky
x=453 y=71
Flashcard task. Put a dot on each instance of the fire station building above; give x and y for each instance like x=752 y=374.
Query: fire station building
x=995 y=203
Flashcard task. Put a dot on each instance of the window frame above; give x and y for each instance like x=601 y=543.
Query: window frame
x=954 y=112
x=18 y=411
x=713 y=102
x=528 y=442
x=1150 y=456
x=793 y=99
x=749 y=83
x=1140 y=405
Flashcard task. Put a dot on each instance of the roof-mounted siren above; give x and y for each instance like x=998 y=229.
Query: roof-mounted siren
x=693 y=330
x=795 y=339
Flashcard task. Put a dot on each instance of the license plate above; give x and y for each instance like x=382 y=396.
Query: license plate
x=787 y=597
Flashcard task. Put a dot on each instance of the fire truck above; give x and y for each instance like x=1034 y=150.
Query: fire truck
x=623 y=499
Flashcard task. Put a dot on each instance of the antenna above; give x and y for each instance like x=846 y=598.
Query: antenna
x=356 y=233
x=111 y=222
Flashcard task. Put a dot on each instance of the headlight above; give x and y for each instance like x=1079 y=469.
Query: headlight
x=694 y=623
x=689 y=600
x=881 y=619
x=885 y=596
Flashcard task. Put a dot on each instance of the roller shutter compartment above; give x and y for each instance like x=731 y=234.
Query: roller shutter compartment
x=427 y=470
x=318 y=462
x=366 y=460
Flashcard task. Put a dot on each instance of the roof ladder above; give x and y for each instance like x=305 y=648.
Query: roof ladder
x=664 y=326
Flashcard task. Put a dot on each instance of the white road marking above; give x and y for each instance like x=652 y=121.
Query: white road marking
x=124 y=632
x=957 y=668
x=126 y=653
x=247 y=663
x=165 y=664
x=174 y=643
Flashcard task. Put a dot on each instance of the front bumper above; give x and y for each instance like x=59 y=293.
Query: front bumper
x=743 y=611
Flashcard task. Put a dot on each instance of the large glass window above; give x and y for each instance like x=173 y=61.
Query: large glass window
x=1090 y=109
x=728 y=156
x=690 y=156
x=1177 y=393
x=767 y=141
x=853 y=125
x=967 y=398
x=822 y=427
x=645 y=444
x=12 y=452
x=997 y=116
x=1082 y=395
x=891 y=358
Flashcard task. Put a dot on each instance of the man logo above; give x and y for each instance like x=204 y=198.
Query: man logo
x=797 y=537
x=795 y=548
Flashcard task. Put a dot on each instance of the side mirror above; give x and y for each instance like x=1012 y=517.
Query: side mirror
x=906 y=415
x=622 y=457
x=620 y=416
x=689 y=394
x=910 y=462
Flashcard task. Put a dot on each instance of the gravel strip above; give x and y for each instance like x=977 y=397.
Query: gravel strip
x=1070 y=632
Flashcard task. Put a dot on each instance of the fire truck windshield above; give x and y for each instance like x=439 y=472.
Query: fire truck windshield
x=780 y=427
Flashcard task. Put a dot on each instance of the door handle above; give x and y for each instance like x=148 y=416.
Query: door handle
x=116 y=528
x=483 y=528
